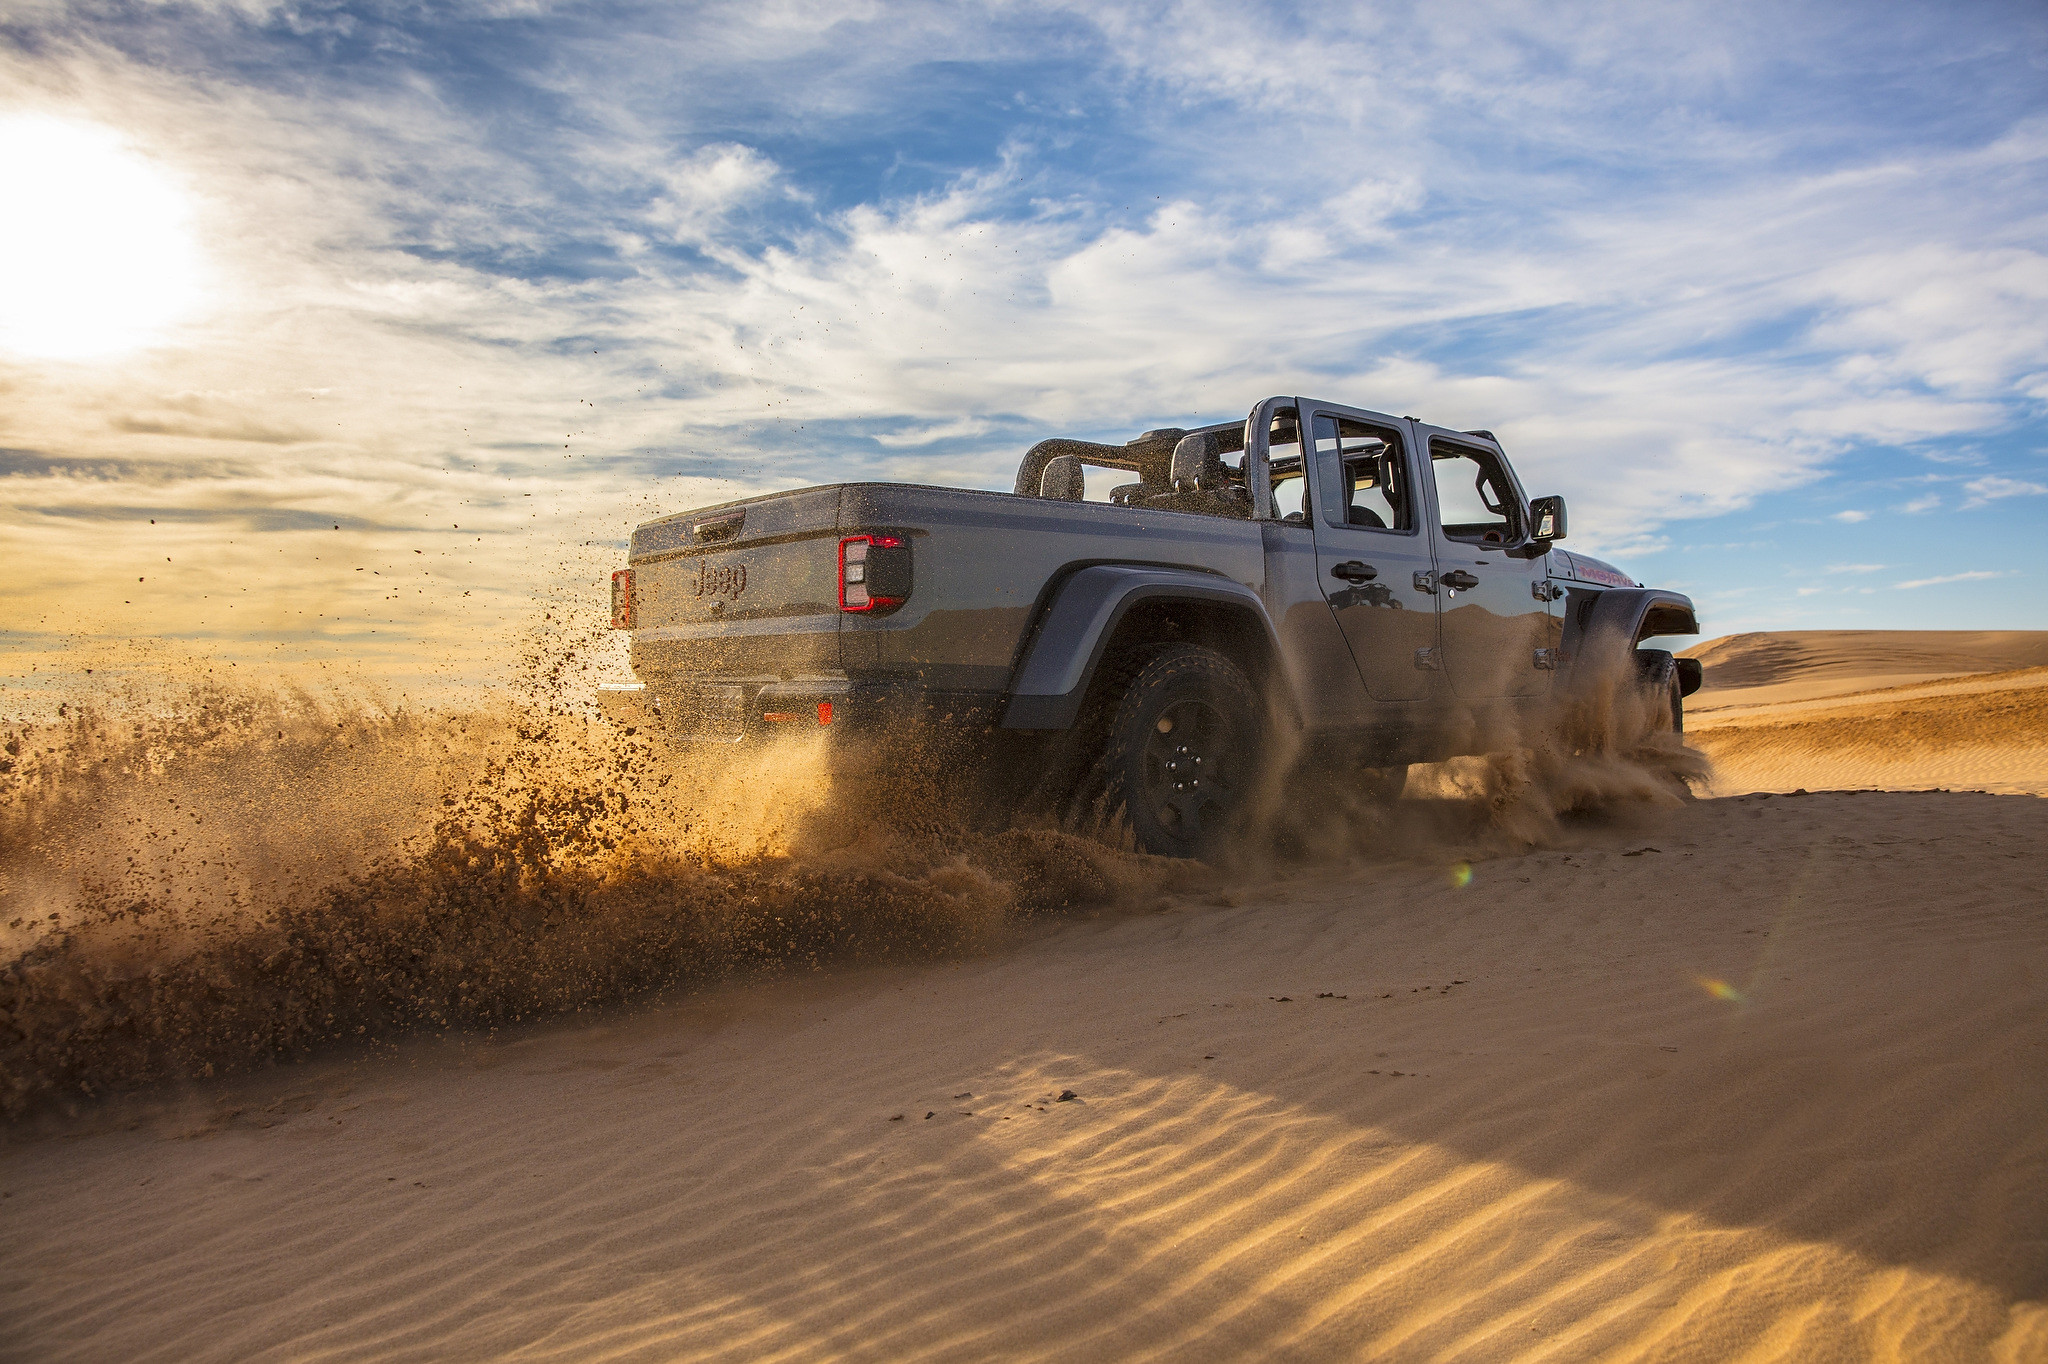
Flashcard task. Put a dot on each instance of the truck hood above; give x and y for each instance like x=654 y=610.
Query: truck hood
x=1585 y=568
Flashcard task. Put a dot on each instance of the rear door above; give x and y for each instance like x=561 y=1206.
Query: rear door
x=1373 y=553
x=1495 y=621
x=1326 y=680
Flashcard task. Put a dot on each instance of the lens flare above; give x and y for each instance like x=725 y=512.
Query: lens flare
x=1721 y=989
x=1461 y=875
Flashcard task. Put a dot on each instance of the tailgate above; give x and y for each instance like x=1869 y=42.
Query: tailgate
x=747 y=590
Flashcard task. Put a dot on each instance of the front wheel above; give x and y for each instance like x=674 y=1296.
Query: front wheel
x=1181 y=751
x=1657 y=670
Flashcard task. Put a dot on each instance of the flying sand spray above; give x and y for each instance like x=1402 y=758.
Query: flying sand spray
x=216 y=876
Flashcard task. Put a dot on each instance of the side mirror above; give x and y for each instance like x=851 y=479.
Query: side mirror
x=1546 y=514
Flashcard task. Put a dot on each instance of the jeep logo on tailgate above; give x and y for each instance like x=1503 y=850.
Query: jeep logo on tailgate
x=728 y=581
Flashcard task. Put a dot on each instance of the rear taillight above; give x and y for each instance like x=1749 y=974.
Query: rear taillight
x=874 y=572
x=624 y=607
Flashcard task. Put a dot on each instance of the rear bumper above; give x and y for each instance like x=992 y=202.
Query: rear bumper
x=720 y=710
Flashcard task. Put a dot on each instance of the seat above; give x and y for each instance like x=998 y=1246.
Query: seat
x=1197 y=463
x=1372 y=472
x=1198 y=481
x=1064 y=479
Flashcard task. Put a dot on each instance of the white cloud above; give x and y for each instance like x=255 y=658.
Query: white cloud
x=1992 y=487
x=1927 y=502
x=1851 y=516
x=965 y=428
x=1967 y=321
x=1854 y=568
x=1977 y=575
x=703 y=189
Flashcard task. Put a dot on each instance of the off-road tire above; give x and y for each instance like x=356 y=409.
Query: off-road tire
x=1182 y=740
x=1658 y=671
x=1382 y=785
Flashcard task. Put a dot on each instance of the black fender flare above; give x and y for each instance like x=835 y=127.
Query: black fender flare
x=1614 y=619
x=1051 y=679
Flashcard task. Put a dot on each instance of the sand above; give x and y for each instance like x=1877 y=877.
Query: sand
x=1795 y=664
x=1759 y=1077
x=1902 y=710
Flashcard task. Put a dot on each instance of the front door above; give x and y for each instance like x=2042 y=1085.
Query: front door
x=1496 y=620
x=1373 y=556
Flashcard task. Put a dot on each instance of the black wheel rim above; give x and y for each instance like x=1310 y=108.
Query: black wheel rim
x=1187 y=775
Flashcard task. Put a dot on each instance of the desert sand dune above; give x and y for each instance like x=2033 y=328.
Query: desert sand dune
x=1792 y=665
x=1843 y=709
x=1987 y=734
x=1759 y=1077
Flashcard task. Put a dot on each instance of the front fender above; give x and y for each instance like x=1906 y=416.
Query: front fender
x=1051 y=680
x=1614 y=619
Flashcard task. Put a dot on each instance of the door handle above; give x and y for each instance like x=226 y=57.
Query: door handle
x=1353 y=571
x=1459 y=580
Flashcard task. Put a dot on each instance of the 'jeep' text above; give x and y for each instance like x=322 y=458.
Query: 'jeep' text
x=728 y=581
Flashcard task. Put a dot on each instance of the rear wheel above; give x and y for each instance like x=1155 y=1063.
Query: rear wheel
x=1181 y=751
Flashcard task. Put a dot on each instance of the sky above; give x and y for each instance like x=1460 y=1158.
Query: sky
x=364 y=333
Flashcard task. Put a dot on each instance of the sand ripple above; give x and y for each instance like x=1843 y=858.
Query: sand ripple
x=1772 y=1090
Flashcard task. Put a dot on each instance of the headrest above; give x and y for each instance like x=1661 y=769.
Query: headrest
x=1197 y=462
x=1064 y=479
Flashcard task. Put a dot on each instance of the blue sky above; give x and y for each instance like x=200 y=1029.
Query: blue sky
x=1760 y=288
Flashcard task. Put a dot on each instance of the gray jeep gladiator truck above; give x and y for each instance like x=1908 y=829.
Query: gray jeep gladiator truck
x=1317 y=579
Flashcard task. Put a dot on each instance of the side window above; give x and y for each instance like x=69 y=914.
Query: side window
x=1290 y=495
x=1372 y=486
x=1473 y=496
x=1283 y=459
x=1289 y=480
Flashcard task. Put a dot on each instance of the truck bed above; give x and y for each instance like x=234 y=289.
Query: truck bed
x=743 y=597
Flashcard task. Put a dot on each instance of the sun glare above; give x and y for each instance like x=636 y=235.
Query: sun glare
x=96 y=248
